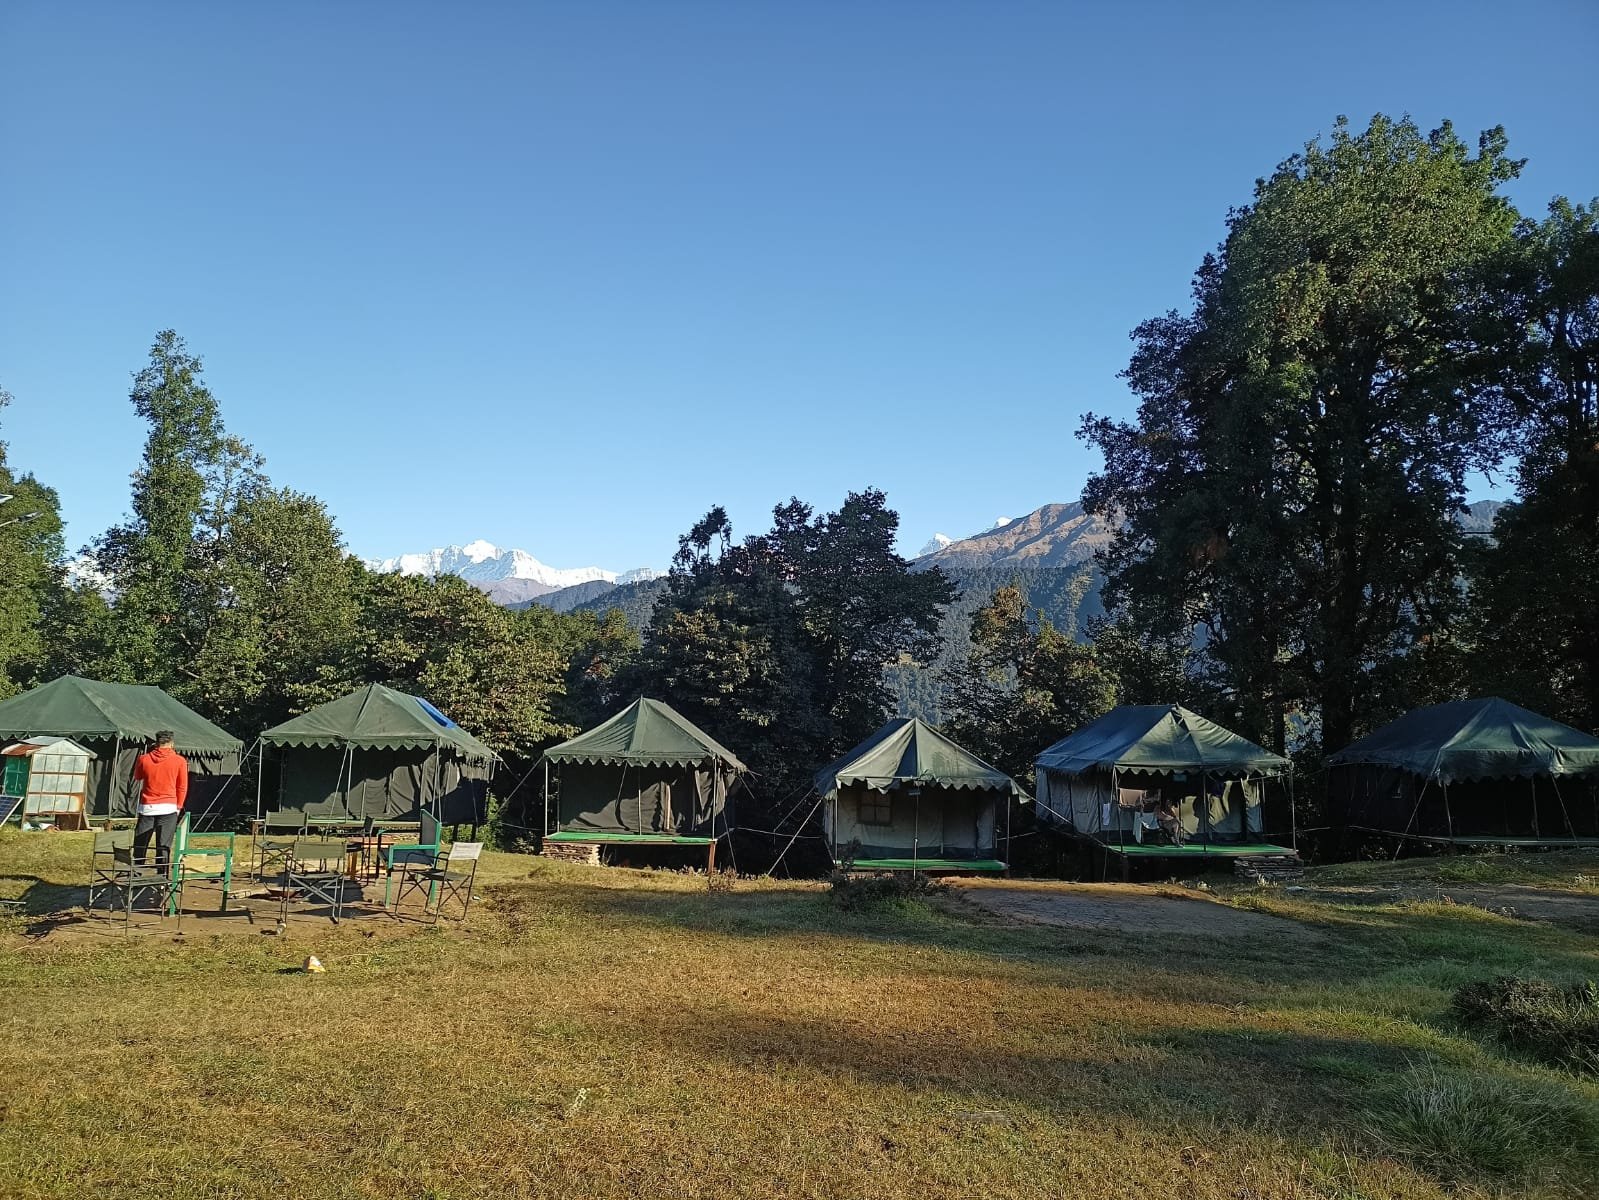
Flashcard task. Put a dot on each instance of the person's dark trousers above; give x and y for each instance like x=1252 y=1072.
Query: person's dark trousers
x=162 y=827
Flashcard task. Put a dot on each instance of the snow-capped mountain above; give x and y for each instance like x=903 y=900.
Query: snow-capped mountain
x=934 y=544
x=483 y=562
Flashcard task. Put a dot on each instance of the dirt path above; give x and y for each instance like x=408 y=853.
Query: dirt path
x=1574 y=910
x=1121 y=907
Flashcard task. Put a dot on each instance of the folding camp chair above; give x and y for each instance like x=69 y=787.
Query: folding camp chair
x=416 y=856
x=212 y=860
x=113 y=871
x=279 y=830
x=443 y=880
x=315 y=870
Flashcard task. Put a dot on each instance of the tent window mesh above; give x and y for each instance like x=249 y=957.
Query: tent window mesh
x=877 y=808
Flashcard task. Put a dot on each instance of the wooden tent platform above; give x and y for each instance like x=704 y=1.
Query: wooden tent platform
x=629 y=839
x=1194 y=850
x=991 y=865
x=577 y=846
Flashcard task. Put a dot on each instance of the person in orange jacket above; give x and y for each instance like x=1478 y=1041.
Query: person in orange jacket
x=163 y=776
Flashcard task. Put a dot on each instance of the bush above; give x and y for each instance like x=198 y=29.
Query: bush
x=852 y=892
x=1460 y=1126
x=1556 y=1024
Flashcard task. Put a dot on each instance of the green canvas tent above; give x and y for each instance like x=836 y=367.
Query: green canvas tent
x=1106 y=780
x=1469 y=770
x=909 y=798
x=116 y=721
x=647 y=774
x=379 y=754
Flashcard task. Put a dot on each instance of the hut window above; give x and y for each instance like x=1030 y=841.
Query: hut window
x=877 y=808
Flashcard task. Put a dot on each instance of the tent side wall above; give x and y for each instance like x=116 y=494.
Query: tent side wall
x=112 y=792
x=1094 y=804
x=676 y=800
x=383 y=784
x=940 y=823
x=1388 y=799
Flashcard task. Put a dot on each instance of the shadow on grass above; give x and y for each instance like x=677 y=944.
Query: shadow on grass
x=1212 y=970
x=42 y=898
x=1228 y=1082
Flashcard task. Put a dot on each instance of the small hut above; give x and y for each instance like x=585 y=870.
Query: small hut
x=1159 y=781
x=1468 y=772
x=116 y=723
x=48 y=779
x=910 y=799
x=378 y=755
x=648 y=777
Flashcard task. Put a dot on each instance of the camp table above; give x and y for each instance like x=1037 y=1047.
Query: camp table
x=365 y=856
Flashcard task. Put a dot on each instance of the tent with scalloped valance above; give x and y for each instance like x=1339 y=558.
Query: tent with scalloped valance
x=116 y=721
x=379 y=754
x=911 y=798
x=648 y=772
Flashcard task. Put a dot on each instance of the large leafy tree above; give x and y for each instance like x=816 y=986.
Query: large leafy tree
x=777 y=644
x=147 y=558
x=1305 y=433
x=1025 y=684
x=30 y=570
x=273 y=600
x=1538 y=586
x=491 y=670
x=726 y=646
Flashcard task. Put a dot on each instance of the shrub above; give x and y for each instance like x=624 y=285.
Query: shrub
x=1460 y=1126
x=1556 y=1024
x=851 y=892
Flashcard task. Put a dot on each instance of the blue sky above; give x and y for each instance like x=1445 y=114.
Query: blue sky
x=563 y=276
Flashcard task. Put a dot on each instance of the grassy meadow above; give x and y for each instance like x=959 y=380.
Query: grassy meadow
x=615 y=1033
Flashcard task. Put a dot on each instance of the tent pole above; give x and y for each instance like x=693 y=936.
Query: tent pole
x=1449 y=819
x=1009 y=852
x=544 y=831
x=260 y=764
x=1571 y=830
x=1293 y=814
x=112 y=783
x=1420 y=796
x=916 y=830
x=1532 y=785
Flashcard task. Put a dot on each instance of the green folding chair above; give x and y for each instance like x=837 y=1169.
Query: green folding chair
x=114 y=872
x=315 y=871
x=279 y=830
x=451 y=877
x=210 y=860
x=416 y=856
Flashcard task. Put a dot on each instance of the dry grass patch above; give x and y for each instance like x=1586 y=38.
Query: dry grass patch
x=615 y=1033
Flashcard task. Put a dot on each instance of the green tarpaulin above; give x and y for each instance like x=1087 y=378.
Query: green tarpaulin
x=1110 y=778
x=1470 y=771
x=908 y=792
x=379 y=754
x=1475 y=739
x=645 y=733
x=1158 y=738
x=648 y=771
x=376 y=718
x=117 y=721
x=908 y=750
x=71 y=706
